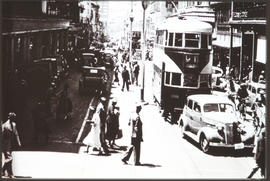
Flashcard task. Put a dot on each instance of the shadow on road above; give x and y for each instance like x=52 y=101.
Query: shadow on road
x=149 y=165
x=222 y=151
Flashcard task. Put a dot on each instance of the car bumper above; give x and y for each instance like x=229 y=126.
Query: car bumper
x=235 y=146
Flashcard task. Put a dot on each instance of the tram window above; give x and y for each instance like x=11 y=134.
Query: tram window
x=178 y=39
x=176 y=79
x=168 y=78
x=170 y=39
x=192 y=40
x=204 y=41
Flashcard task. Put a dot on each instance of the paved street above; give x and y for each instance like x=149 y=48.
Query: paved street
x=164 y=153
x=201 y=60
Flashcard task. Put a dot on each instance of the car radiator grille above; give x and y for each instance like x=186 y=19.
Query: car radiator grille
x=232 y=135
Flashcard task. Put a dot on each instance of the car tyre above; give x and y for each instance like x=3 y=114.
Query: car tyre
x=204 y=143
x=182 y=129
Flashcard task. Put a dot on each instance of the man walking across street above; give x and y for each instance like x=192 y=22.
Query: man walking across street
x=125 y=76
x=136 y=137
x=10 y=134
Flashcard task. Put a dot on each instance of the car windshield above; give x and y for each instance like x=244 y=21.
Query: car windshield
x=221 y=107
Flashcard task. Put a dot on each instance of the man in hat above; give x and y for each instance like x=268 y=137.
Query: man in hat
x=136 y=136
x=102 y=115
x=126 y=79
x=9 y=132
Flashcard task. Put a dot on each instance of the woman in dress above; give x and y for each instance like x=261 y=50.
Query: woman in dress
x=93 y=137
x=113 y=123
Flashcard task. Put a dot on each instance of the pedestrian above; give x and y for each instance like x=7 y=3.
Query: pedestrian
x=126 y=79
x=93 y=137
x=64 y=107
x=261 y=77
x=9 y=140
x=136 y=72
x=116 y=71
x=102 y=116
x=259 y=155
x=113 y=123
x=136 y=137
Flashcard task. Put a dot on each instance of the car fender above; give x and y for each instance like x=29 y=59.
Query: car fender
x=183 y=118
x=209 y=133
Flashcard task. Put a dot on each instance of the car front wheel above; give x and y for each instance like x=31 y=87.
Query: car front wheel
x=182 y=129
x=204 y=143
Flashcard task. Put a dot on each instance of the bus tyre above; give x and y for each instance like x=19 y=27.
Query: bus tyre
x=204 y=143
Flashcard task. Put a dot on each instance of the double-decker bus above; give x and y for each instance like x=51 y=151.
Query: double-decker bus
x=182 y=63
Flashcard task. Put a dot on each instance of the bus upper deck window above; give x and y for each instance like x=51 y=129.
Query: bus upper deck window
x=178 y=39
x=192 y=40
x=210 y=40
x=170 y=39
x=204 y=41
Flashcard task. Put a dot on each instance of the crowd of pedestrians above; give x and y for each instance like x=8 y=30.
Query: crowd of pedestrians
x=105 y=127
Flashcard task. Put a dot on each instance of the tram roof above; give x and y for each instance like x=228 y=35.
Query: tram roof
x=183 y=25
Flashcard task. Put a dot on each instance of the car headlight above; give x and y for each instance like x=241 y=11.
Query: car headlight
x=219 y=127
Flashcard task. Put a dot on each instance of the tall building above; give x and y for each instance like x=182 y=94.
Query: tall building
x=240 y=36
x=30 y=31
x=104 y=14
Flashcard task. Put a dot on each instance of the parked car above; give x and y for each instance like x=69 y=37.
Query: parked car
x=92 y=79
x=253 y=89
x=212 y=121
x=88 y=59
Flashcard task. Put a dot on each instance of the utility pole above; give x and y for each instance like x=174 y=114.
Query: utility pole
x=144 y=5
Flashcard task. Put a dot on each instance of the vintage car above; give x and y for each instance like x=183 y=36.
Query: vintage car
x=92 y=79
x=212 y=121
x=88 y=59
x=253 y=89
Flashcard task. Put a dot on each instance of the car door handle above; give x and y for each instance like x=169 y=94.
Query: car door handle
x=191 y=117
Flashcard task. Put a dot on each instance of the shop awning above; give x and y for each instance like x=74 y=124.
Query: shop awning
x=261 y=50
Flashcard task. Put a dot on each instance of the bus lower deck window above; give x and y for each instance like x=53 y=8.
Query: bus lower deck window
x=168 y=78
x=178 y=39
x=176 y=79
x=171 y=39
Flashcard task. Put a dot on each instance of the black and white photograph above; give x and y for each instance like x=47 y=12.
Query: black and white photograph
x=133 y=89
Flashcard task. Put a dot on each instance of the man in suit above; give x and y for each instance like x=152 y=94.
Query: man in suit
x=136 y=137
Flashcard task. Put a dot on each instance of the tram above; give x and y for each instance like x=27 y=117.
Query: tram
x=182 y=63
